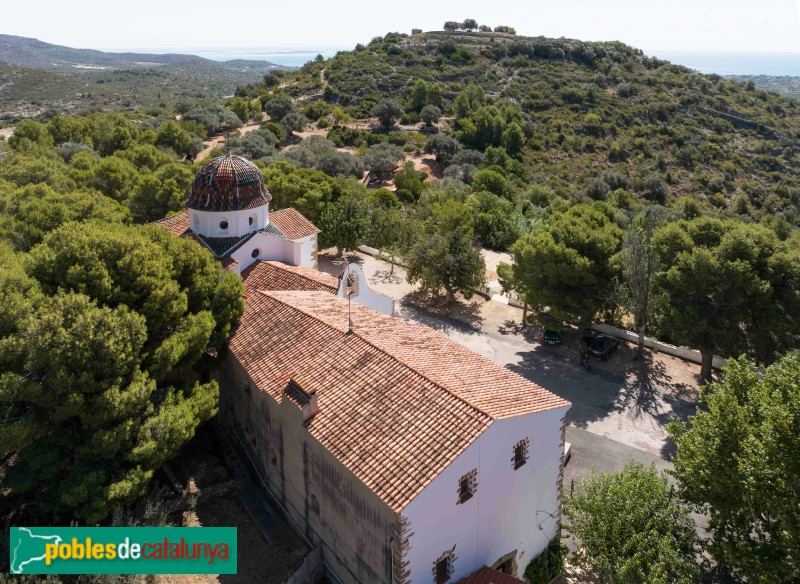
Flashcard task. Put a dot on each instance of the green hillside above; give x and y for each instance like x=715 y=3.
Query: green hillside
x=596 y=117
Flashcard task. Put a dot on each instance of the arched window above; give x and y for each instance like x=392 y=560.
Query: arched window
x=251 y=219
x=223 y=224
x=255 y=253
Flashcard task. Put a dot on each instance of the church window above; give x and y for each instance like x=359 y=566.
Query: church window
x=443 y=567
x=251 y=220
x=255 y=253
x=467 y=486
x=223 y=225
x=520 y=453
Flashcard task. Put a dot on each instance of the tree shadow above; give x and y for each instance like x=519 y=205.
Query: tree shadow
x=331 y=263
x=438 y=321
x=465 y=312
x=645 y=394
x=649 y=390
x=385 y=277
x=530 y=334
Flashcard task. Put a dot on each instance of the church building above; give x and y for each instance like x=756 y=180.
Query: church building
x=406 y=457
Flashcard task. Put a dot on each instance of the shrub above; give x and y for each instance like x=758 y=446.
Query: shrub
x=316 y=109
x=397 y=138
x=344 y=136
x=549 y=564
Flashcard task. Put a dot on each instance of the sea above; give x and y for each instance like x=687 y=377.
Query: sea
x=285 y=57
x=778 y=64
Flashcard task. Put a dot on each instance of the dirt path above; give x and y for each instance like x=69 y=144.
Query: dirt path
x=218 y=141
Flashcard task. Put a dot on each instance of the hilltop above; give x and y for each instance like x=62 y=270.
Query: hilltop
x=600 y=119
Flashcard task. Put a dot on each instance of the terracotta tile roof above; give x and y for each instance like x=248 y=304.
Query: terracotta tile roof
x=228 y=183
x=177 y=224
x=487 y=575
x=229 y=263
x=390 y=422
x=487 y=386
x=269 y=275
x=292 y=223
x=391 y=427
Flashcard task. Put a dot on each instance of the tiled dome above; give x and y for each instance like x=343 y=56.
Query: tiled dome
x=228 y=183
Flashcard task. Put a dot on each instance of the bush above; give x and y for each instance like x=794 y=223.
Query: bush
x=549 y=564
x=279 y=107
x=397 y=138
x=316 y=109
x=277 y=129
x=213 y=118
x=343 y=136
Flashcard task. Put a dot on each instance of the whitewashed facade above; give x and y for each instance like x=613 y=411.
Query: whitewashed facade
x=514 y=512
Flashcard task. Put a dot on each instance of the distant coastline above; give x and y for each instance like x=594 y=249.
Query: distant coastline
x=704 y=62
x=778 y=64
x=286 y=56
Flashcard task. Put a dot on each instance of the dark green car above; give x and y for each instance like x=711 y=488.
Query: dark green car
x=551 y=337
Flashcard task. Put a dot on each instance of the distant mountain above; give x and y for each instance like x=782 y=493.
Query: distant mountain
x=36 y=76
x=35 y=54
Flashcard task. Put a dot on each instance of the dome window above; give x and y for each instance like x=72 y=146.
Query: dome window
x=255 y=253
x=223 y=225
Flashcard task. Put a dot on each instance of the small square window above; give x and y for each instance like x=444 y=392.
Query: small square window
x=467 y=486
x=520 y=453
x=443 y=566
x=442 y=572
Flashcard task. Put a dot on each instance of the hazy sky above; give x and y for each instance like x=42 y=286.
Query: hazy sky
x=652 y=25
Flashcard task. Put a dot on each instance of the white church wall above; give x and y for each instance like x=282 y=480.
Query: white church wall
x=265 y=247
x=362 y=292
x=507 y=509
x=240 y=223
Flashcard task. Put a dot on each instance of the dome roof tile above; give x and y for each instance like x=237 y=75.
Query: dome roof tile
x=228 y=183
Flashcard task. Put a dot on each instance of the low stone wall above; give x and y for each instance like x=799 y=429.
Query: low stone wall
x=680 y=352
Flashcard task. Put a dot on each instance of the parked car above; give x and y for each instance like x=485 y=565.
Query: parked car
x=551 y=337
x=588 y=336
x=602 y=346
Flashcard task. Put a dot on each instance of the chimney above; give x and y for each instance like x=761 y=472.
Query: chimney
x=307 y=400
x=310 y=408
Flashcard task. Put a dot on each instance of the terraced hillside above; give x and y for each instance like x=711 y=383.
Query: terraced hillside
x=600 y=120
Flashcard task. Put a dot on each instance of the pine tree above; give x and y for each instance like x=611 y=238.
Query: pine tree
x=97 y=336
